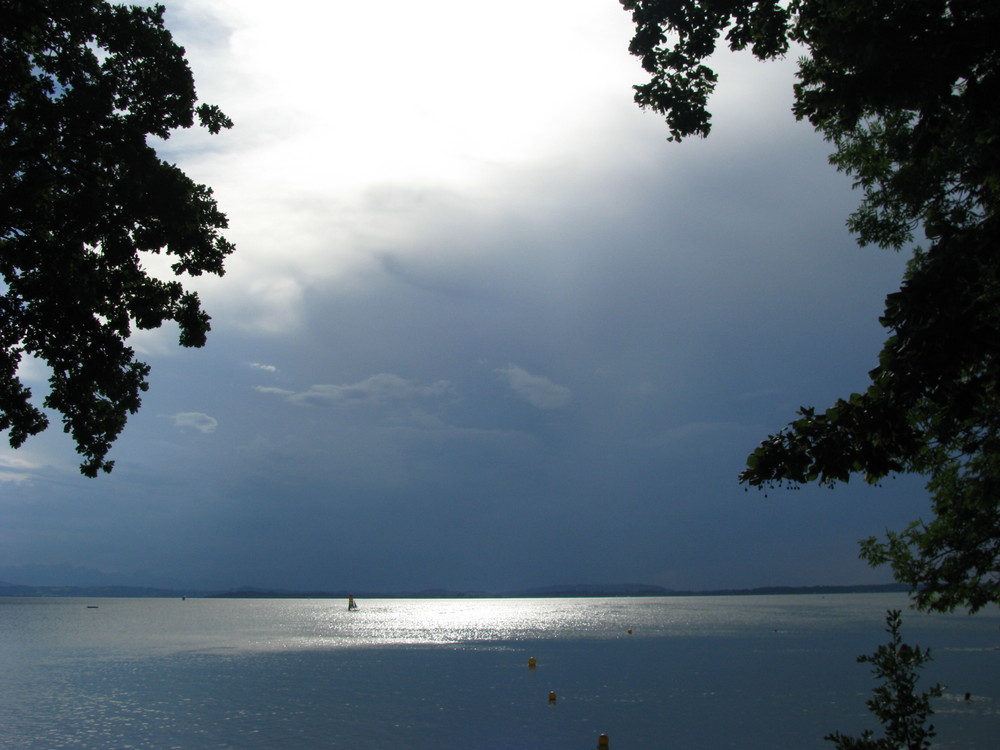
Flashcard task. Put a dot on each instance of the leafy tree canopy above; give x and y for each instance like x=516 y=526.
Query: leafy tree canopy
x=906 y=92
x=83 y=83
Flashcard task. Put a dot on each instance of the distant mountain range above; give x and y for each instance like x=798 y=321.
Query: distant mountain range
x=574 y=590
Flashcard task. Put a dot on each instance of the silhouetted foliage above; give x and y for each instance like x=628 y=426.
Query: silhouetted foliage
x=899 y=708
x=906 y=92
x=82 y=85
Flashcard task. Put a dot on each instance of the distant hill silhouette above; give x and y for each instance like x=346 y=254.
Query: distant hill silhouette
x=12 y=589
x=561 y=590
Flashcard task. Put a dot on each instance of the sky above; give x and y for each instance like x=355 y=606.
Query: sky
x=485 y=327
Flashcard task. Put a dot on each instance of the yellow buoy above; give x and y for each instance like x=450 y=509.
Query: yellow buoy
x=630 y=631
x=552 y=697
x=531 y=662
x=602 y=741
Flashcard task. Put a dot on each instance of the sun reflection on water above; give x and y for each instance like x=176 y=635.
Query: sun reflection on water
x=382 y=622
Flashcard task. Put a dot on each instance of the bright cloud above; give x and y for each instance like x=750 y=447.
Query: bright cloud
x=10 y=461
x=339 y=104
x=363 y=93
x=195 y=420
x=32 y=370
x=535 y=389
x=16 y=468
x=377 y=389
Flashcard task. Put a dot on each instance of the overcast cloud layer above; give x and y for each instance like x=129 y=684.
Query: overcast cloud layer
x=485 y=327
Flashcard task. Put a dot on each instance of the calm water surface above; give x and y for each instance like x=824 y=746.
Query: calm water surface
x=701 y=672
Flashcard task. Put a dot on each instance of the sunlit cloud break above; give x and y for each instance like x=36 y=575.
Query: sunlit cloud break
x=537 y=390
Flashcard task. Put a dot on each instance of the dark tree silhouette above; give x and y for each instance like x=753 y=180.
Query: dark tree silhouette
x=83 y=83
x=895 y=702
x=906 y=92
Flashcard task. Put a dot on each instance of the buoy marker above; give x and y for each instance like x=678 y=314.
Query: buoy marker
x=531 y=662
x=602 y=741
x=552 y=697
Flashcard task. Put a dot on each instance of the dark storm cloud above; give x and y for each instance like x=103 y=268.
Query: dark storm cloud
x=550 y=371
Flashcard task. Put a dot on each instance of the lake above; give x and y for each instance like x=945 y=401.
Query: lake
x=748 y=672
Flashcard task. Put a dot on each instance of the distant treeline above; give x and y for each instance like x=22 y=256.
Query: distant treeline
x=576 y=590
x=12 y=589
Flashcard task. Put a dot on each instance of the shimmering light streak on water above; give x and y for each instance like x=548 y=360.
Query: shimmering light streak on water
x=720 y=672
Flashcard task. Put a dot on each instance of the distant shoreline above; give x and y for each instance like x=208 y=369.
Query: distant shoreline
x=548 y=592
